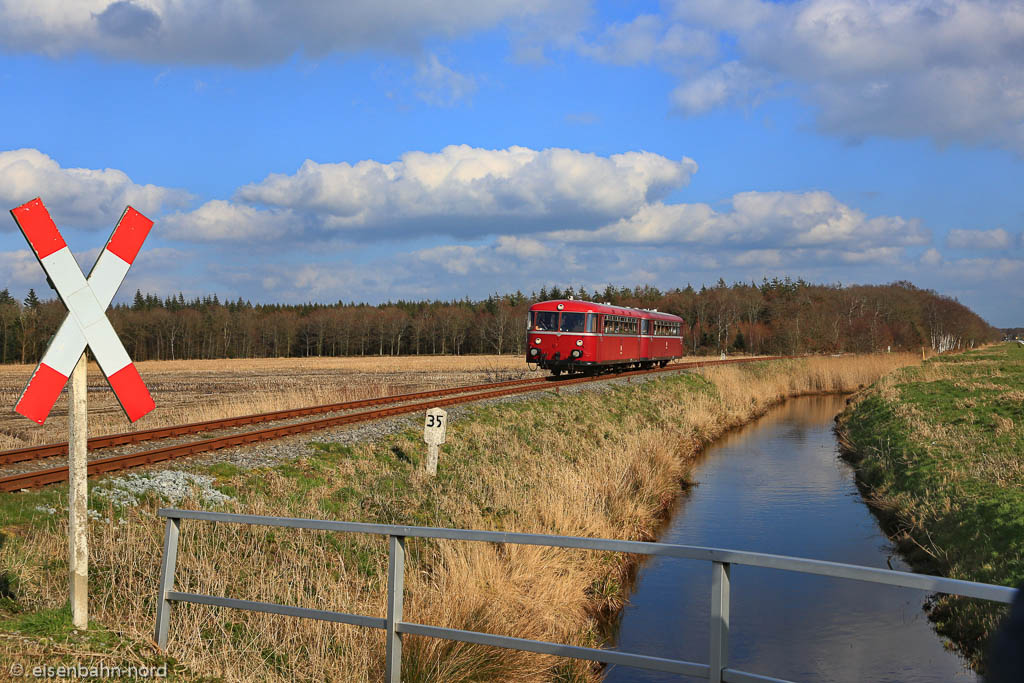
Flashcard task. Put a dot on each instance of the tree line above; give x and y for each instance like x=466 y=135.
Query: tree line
x=782 y=316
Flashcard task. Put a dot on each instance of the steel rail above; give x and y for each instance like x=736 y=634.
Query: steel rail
x=10 y=457
x=16 y=455
x=54 y=475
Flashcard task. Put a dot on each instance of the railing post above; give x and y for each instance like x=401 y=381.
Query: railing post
x=170 y=560
x=719 y=620
x=396 y=586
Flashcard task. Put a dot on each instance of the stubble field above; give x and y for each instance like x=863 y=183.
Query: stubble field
x=195 y=390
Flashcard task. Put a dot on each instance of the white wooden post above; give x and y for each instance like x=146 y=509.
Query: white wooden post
x=78 y=513
x=434 y=434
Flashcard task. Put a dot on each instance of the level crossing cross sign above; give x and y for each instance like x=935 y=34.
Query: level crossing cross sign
x=86 y=323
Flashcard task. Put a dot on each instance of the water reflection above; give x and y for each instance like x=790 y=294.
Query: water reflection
x=777 y=486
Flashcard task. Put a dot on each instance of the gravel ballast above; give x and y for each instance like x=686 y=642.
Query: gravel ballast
x=270 y=453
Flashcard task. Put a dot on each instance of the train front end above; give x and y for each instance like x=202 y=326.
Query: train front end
x=561 y=336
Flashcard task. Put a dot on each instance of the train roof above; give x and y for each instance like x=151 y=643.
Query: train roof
x=579 y=306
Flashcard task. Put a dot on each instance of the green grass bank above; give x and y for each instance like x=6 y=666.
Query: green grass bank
x=939 y=452
x=602 y=464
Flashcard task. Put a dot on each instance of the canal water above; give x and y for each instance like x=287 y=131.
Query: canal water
x=778 y=486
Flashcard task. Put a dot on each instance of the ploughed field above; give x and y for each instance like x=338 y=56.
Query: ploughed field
x=196 y=390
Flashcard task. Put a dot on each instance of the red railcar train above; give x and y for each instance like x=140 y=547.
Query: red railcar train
x=567 y=335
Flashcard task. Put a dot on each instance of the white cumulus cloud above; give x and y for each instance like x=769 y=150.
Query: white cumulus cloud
x=78 y=197
x=220 y=220
x=931 y=257
x=758 y=219
x=252 y=32
x=440 y=85
x=460 y=191
x=725 y=84
x=648 y=38
x=1006 y=271
x=21 y=270
x=948 y=69
x=980 y=239
x=461 y=259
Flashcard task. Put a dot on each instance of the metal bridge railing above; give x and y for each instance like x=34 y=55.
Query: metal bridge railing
x=721 y=560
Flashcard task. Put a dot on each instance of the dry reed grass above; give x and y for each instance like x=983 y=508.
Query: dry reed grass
x=593 y=464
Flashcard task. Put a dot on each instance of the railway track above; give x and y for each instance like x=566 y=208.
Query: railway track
x=412 y=403
x=17 y=455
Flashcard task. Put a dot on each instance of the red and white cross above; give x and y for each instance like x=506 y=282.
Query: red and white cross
x=86 y=323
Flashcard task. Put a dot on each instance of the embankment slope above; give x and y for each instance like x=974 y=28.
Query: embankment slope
x=939 y=452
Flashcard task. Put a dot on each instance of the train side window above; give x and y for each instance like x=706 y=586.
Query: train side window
x=644 y=327
x=591 y=322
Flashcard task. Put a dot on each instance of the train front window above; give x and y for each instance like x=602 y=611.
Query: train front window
x=572 y=322
x=591 y=322
x=545 y=320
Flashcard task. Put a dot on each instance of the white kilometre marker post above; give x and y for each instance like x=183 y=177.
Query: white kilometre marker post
x=78 y=511
x=85 y=325
x=434 y=434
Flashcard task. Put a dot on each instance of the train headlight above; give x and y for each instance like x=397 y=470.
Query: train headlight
x=576 y=353
x=534 y=352
x=579 y=342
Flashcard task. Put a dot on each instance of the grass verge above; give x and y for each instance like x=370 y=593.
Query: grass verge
x=602 y=464
x=938 y=452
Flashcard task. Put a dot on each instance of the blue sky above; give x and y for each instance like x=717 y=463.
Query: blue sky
x=369 y=151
